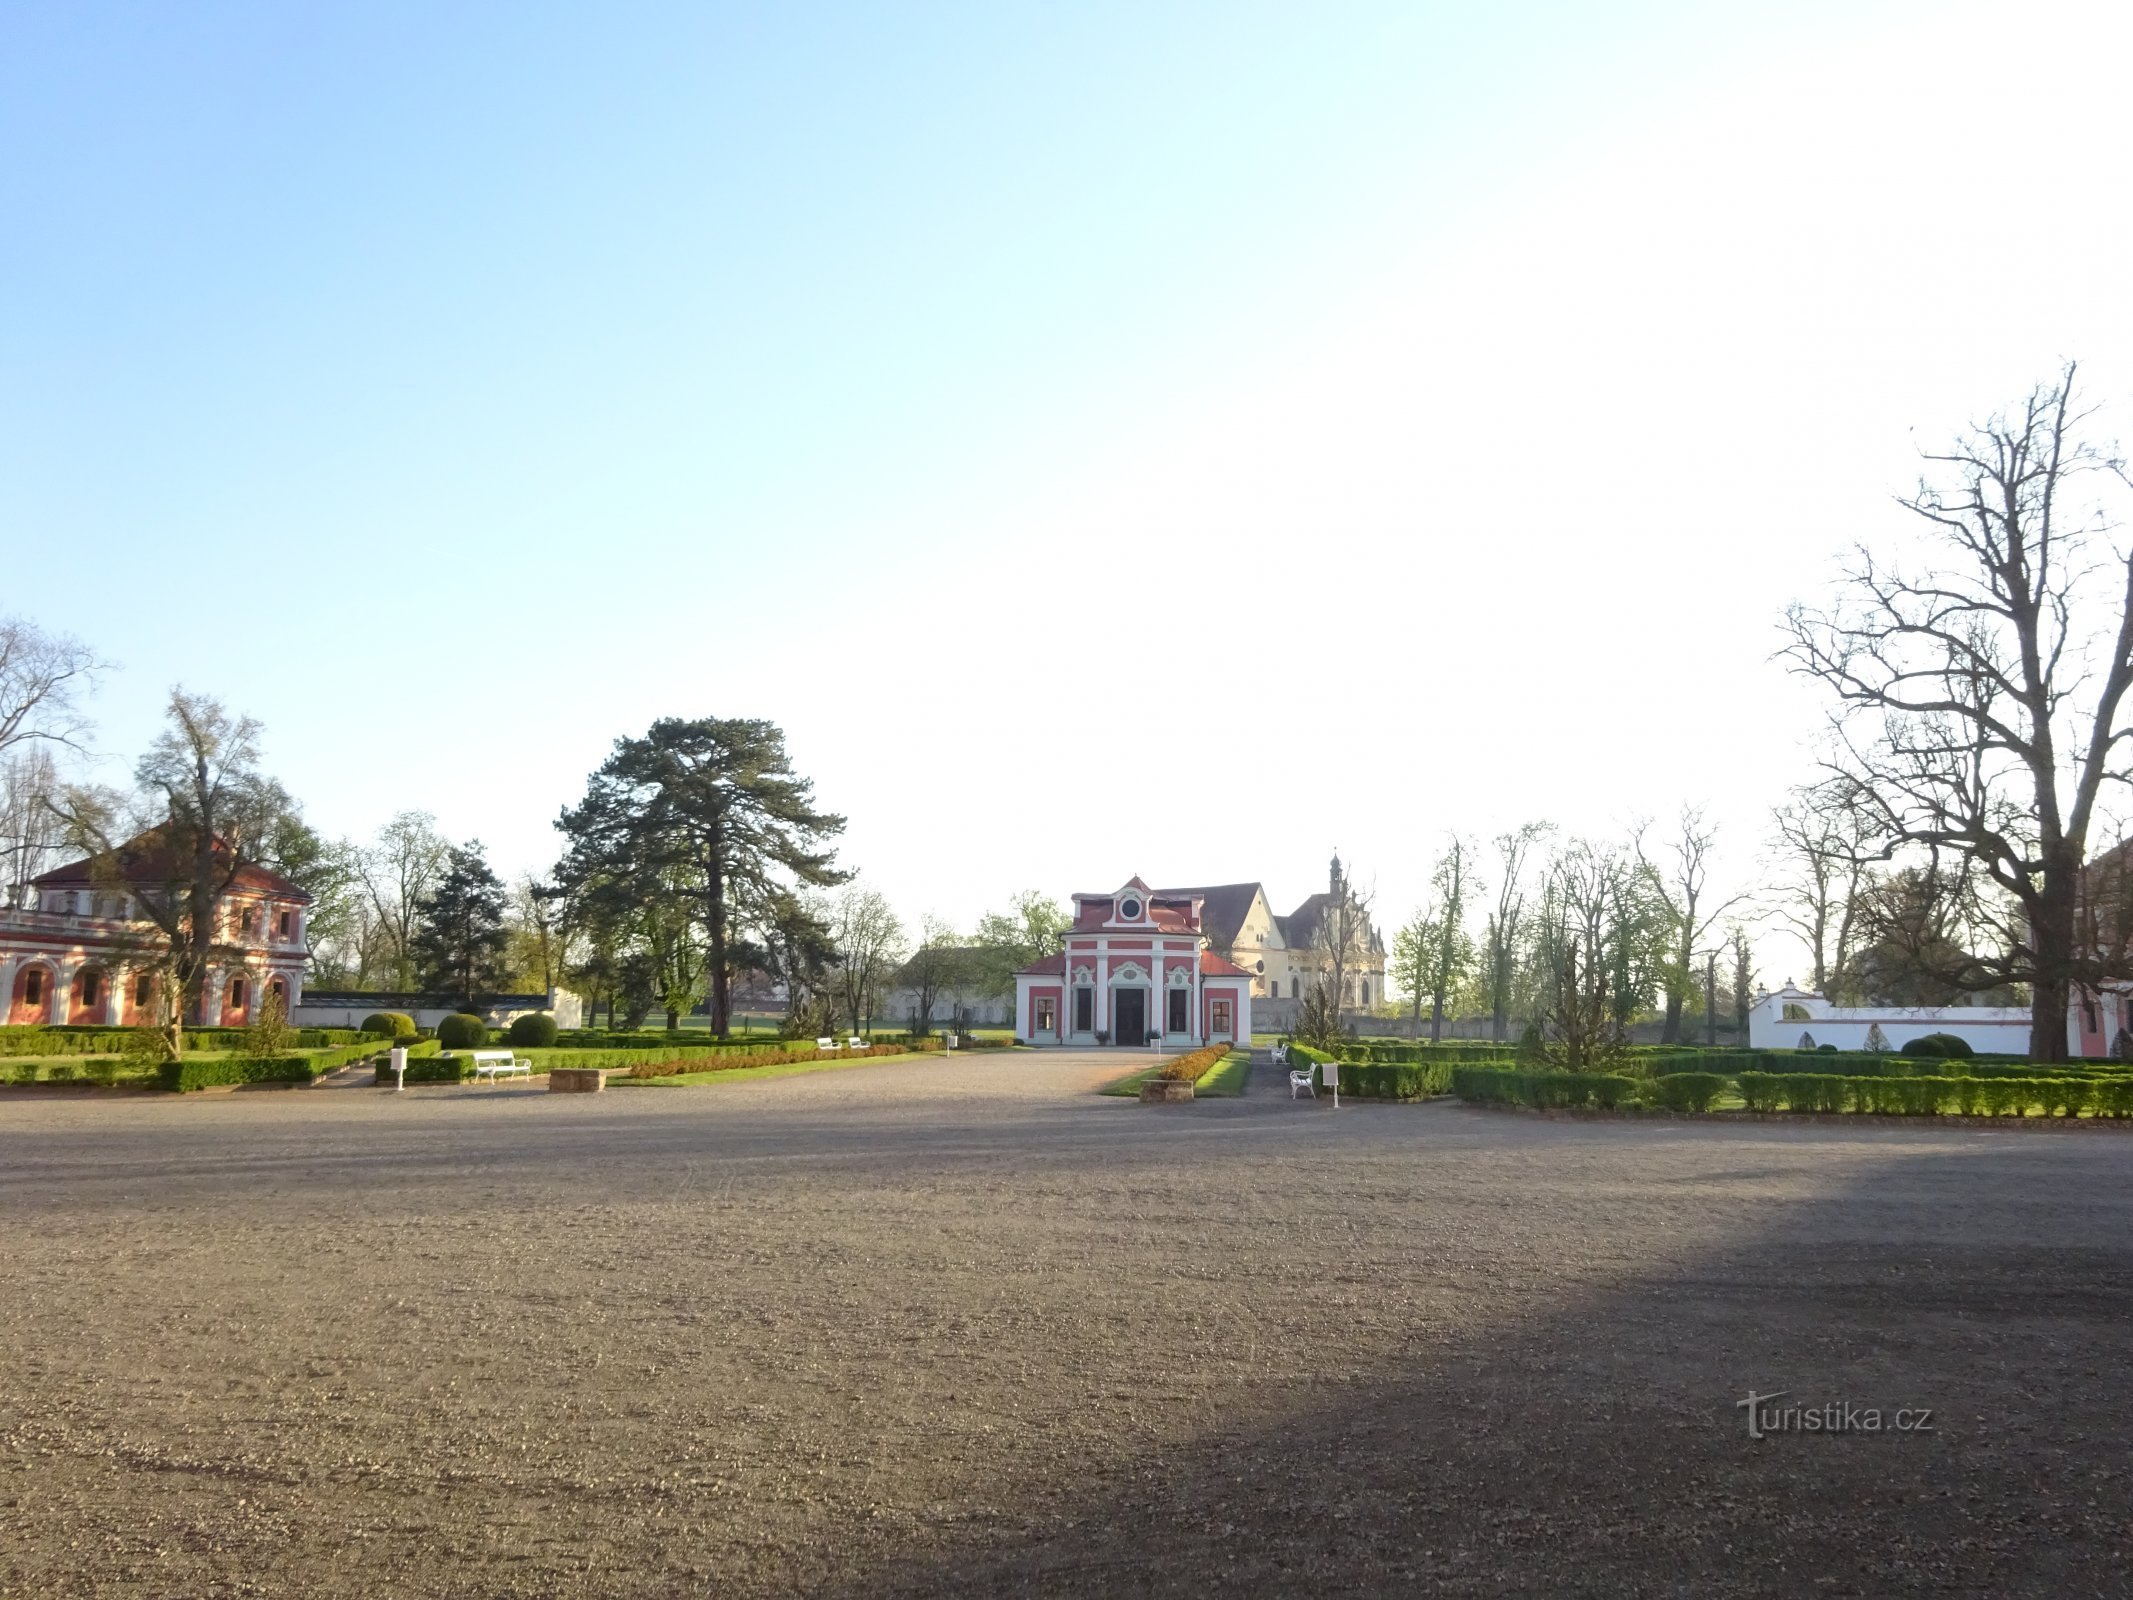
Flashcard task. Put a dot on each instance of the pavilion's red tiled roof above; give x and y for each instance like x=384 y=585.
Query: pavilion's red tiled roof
x=147 y=860
x=1051 y=966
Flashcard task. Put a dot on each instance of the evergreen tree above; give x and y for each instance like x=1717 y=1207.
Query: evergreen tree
x=707 y=814
x=459 y=936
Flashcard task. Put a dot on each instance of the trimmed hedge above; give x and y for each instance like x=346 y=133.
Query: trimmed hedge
x=390 y=1025
x=72 y=1041
x=535 y=1030
x=1194 y=1065
x=195 y=1074
x=1687 y=1091
x=1944 y=1046
x=1959 y=1096
x=181 y=1076
x=1542 y=1090
x=462 y=1030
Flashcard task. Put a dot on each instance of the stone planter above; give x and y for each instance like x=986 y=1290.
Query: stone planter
x=1164 y=1091
x=577 y=1080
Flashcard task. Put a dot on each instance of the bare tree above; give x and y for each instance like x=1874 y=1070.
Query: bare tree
x=42 y=676
x=939 y=964
x=1683 y=885
x=1451 y=951
x=1591 y=913
x=1824 y=843
x=869 y=942
x=31 y=832
x=1981 y=694
x=1743 y=982
x=1503 y=929
x=203 y=812
x=399 y=869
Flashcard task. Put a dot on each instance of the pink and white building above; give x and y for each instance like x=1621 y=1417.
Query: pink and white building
x=1137 y=969
x=75 y=950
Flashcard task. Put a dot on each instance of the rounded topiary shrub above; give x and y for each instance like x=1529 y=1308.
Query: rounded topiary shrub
x=534 y=1031
x=396 y=1024
x=462 y=1031
x=1940 y=1046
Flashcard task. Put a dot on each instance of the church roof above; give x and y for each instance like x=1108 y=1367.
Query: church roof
x=1299 y=929
x=1223 y=908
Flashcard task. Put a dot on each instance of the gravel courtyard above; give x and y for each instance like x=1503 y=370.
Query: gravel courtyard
x=963 y=1326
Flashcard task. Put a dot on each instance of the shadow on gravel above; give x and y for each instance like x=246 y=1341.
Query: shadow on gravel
x=1599 y=1449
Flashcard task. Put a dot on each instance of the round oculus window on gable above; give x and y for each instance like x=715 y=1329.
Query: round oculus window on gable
x=1129 y=909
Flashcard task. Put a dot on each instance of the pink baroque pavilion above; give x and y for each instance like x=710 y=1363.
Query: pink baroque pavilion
x=76 y=950
x=1137 y=969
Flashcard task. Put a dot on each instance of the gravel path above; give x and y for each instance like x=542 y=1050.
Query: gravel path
x=963 y=1326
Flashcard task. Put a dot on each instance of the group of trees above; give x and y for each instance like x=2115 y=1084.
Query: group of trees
x=1579 y=936
x=1964 y=839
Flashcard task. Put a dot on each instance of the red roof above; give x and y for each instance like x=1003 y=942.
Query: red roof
x=146 y=859
x=1052 y=966
x=1214 y=966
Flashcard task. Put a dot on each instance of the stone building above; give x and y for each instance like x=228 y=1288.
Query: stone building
x=1278 y=951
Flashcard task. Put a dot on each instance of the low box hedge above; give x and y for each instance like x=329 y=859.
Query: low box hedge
x=1542 y=1090
x=188 y=1074
x=1686 y=1091
x=1964 y=1095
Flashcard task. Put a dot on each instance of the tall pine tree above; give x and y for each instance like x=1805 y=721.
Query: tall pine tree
x=710 y=813
x=458 y=947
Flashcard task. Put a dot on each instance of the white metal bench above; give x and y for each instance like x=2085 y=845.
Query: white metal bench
x=1328 y=1073
x=825 y=1044
x=855 y=1043
x=495 y=1064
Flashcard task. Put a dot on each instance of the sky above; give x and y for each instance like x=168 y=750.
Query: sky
x=1181 y=440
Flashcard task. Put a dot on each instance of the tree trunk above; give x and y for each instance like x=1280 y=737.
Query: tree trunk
x=2048 y=1004
x=2051 y=993
x=715 y=957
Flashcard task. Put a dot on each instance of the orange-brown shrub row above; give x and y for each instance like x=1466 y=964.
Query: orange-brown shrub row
x=792 y=1055
x=1189 y=1068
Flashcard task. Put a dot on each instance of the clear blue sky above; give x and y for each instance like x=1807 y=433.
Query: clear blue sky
x=457 y=388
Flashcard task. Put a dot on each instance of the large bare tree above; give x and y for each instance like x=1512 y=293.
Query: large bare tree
x=405 y=862
x=1504 y=930
x=1823 y=843
x=869 y=943
x=42 y=677
x=1682 y=883
x=1981 y=688
x=202 y=812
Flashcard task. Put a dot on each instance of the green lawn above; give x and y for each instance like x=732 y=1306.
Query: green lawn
x=1223 y=1080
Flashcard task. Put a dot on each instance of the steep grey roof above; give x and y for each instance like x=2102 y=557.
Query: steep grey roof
x=1223 y=909
x=1300 y=927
